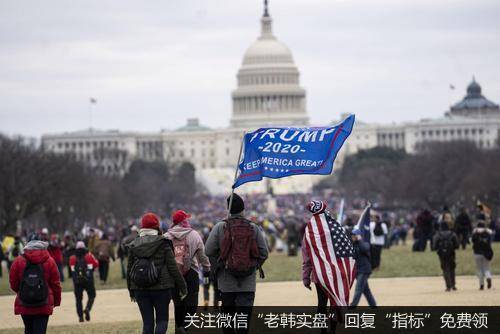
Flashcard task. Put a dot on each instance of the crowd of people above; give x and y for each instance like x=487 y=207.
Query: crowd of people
x=163 y=262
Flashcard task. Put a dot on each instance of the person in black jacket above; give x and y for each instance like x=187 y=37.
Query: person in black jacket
x=151 y=288
x=463 y=227
x=445 y=242
x=483 y=253
x=363 y=269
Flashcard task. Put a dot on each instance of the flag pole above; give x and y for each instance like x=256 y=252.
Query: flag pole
x=235 y=176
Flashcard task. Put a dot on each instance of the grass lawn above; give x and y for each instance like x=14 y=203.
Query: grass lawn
x=399 y=261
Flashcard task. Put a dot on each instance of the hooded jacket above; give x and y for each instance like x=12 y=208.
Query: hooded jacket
x=481 y=241
x=90 y=260
x=194 y=243
x=159 y=249
x=36 y=252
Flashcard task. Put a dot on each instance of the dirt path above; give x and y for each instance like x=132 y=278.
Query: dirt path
x=115 y=305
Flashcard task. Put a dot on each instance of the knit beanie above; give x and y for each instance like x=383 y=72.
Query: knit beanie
x=150 y=220
x=237 y=205
x=316 y=207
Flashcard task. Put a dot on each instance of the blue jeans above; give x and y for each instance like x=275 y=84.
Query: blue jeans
x=153 y=305
x=362 y=287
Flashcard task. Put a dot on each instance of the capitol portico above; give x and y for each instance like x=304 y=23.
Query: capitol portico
x=269 y=93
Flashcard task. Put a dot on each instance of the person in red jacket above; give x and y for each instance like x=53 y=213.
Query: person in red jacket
x=55 y=251
x=82 y=266
x=36 y=318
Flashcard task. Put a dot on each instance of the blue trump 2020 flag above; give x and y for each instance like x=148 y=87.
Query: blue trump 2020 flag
x=281 y=152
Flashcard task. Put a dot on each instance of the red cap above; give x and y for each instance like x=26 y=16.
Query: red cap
x=179 y=216
x=150 y=220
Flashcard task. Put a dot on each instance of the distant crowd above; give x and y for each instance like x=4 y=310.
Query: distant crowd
x=165 y=260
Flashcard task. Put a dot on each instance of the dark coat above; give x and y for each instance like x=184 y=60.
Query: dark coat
x=481 y=242
x=160 y=249
x=445 y=235
x=362 y=257
x=463 y=222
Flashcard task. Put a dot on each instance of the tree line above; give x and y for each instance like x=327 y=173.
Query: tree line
x=437 y=174
x=42 y=188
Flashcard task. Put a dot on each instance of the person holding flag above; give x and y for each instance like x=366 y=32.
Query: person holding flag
x=328 y=258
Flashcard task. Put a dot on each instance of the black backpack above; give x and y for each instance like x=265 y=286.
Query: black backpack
x=378 y=230
x=445 y=246
x=81 y=273
x=144 y=273
x=33 y=290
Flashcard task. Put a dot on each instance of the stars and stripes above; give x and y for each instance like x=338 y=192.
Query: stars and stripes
x=331 y=253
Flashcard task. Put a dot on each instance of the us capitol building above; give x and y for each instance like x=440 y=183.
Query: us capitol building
x=268 y=93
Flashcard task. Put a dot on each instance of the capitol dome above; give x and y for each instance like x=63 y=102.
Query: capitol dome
x=264 y=51
x=267 y=49
x=474 y=104
x=268 y=90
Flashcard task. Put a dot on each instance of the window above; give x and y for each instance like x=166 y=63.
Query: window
x=192 y=152
x=227 y=150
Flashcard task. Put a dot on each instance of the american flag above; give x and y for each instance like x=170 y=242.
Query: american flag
x=331 y=253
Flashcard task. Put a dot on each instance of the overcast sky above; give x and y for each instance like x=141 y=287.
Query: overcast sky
x=152 y=64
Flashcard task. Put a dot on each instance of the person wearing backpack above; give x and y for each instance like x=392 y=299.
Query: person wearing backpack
x=241 y=249
x=105 y=252
x=152 y=274
x=189 y=253
x=82 y=266
x=35 y=279
x=378 y=234
x=483 y=253
x=445 y=242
